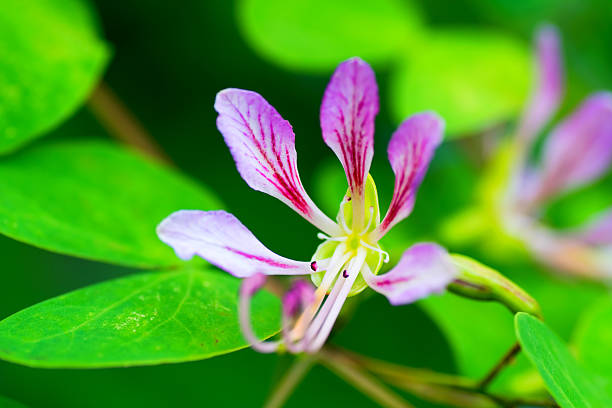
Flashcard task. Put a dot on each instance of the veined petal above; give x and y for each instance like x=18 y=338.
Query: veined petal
x=549 y=89
x=410 y=150
x=424 y=269
x=263 y=146
x=349 y=107
x=579 y=150
x=222 y=240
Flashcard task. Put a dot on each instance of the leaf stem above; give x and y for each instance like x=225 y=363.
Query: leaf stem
x=370 y=386
x=506 y=359
x=437 y=387
x=120 y=123
x=294 y=375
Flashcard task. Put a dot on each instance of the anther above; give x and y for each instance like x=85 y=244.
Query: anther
x=345 y=274
x=313 y=265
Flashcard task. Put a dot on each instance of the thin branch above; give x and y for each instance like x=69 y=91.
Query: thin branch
x=120 y=123
x=450 y=389
x=294 y=375
x=391 y=370
x=506 y=359
x=370 y=386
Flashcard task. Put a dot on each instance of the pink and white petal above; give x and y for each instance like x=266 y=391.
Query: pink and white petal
x=424 y=269
x=598 y=231
x=579 y=150
x=348 y=110
x=263 y=146
x=410 y=151
x=221 y=239
x=549 y=88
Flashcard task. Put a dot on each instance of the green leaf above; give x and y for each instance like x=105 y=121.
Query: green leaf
x=94 y=200
x=9 y=403
x=144 y=319
x=593 y=336
x=317 y=35
x=473 y=78
x=569 y=384
x=51 y=56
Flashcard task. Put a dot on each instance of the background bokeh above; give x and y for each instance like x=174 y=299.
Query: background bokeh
x=169 y=60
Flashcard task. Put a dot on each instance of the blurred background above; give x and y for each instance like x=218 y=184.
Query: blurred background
x=171 y=58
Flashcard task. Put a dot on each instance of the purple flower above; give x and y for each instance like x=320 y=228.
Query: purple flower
x=262 y=144
x=576 y=152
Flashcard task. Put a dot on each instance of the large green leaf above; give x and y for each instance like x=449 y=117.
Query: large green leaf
x=594 y=337
x=93 y=200
x=51 y=56
x=144 y=319
x=473 y=78
x=569 y=384
x=317 y=35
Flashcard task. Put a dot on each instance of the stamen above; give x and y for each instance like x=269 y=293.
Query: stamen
x=338 y=259
x=315 y=337
x=373 y=248
x=342 y=219
x=320 y=265
x=369 y=221
x=249 y=287
x=324 y=237
x=298 y=297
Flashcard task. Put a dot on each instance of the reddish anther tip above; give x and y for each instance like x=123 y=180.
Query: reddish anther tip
x=313 y=265
x=345 y=274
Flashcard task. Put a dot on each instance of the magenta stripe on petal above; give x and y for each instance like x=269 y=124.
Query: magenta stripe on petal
x=579 y=150
x=549 y=88
x=349 y=107
x=263 y=146
x=410 y=151
x=222 y=240
x=424 y=269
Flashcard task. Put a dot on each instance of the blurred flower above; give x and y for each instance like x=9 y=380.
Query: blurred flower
x=262 y=144
x=576 y=152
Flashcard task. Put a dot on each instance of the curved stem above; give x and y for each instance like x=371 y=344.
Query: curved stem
x=369 y=385
x=449 y=389
x=294 y=375
x=506 y=359
x=120 y=123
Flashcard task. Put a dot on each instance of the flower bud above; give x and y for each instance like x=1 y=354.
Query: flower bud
x=477 y=281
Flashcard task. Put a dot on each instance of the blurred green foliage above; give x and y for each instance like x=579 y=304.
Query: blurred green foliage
x=52 y=56
x=170 y=61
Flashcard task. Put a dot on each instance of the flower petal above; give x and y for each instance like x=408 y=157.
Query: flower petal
x=263 y=146
x=349 y=107
x=579 y=150
x=598 y=231
x=424 y=269
x=222 y=240
x=549 y=89
x=410 y=150
x=568 y=253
